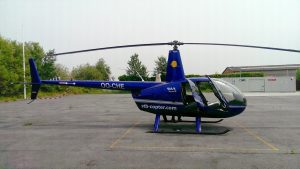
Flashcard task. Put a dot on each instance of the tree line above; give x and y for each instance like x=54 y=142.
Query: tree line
x=11 y=68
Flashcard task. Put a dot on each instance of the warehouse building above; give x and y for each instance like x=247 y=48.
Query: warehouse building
x=268 y=70
x=278 y=78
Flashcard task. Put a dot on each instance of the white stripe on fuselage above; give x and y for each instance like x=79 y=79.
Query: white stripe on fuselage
x=157 y=101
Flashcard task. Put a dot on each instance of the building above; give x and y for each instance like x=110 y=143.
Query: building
x=268 y=70
x=278 y=78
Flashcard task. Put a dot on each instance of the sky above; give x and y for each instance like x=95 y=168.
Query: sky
x=66 y=25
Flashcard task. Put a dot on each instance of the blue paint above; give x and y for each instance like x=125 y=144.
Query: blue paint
x=174 y=68
x=111 y=85
x=156 y=123
x=35 y=79
x=164 y=91
x=198 y=124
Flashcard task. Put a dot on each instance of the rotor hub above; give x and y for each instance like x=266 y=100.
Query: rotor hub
x=175 y=44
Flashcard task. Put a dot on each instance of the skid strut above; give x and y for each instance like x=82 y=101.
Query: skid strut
x=198 y=124
x=165 y=118
x=156 y=123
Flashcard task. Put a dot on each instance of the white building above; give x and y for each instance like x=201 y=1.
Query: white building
x=278 y=78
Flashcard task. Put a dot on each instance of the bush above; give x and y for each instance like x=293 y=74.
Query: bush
x=243 y=74
x=298 y=74
x=130 y=78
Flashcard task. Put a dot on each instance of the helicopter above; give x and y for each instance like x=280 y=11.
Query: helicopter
x=177 y=96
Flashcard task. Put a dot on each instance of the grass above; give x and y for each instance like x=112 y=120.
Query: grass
x=27 y=124
x=9 y=99
x=292 y=151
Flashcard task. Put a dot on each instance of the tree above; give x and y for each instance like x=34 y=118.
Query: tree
x=48 y=66
x=136 y=68
x=161 y=67
x=12 y=64
x=9 y=67
x=100 y=71
x=103 y=68
x=45 y=64
x=62 y=72
x=129 y=78
x=86 y=72
x=298 y=74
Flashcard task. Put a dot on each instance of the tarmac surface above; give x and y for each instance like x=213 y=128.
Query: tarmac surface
x=108 y=131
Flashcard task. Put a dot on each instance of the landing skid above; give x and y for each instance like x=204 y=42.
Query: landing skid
x=185 y=132
x=198 y=129
x=189 y=121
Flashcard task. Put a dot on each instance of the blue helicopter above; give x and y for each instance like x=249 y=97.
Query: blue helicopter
x=177 y=96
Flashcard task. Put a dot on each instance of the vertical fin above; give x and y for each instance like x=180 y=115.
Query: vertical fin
x=174 y=68
x=35 y=79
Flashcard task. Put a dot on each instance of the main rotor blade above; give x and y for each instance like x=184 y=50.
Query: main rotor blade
x=111 y=47
x=246 y=46
x=175 y=44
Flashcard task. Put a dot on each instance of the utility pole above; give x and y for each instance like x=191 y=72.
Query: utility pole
x=24 y=70
x=24 y=65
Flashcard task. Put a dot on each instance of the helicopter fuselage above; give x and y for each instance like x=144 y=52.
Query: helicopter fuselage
x=174 y=98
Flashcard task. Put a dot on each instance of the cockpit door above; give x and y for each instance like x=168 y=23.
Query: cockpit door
x=218 y=93
x=196 y=96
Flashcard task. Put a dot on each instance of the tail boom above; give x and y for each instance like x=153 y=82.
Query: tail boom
x=36 y=83
x=111 y=85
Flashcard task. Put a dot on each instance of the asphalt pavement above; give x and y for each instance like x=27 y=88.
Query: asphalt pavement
x=108 y=131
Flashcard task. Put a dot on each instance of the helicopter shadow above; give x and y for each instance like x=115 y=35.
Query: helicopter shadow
x=186 y=128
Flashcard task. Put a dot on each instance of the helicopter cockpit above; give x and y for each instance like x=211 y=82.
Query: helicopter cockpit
x=214 y=96
x=231 y=94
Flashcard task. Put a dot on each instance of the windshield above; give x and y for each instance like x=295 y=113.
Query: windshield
x=231 y=93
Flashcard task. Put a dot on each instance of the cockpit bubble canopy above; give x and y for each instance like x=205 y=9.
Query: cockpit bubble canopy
x=230 y=92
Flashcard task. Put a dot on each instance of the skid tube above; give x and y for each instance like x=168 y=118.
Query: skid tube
x=189 y=121
x=198 y=129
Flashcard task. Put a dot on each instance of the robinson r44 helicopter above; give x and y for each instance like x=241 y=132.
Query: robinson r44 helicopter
x=177 y=96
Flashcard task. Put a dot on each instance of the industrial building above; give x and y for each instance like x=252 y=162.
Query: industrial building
x=268 y=70
x=277 y=78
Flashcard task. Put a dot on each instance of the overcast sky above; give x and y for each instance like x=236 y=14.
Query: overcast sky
x=66 y=25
